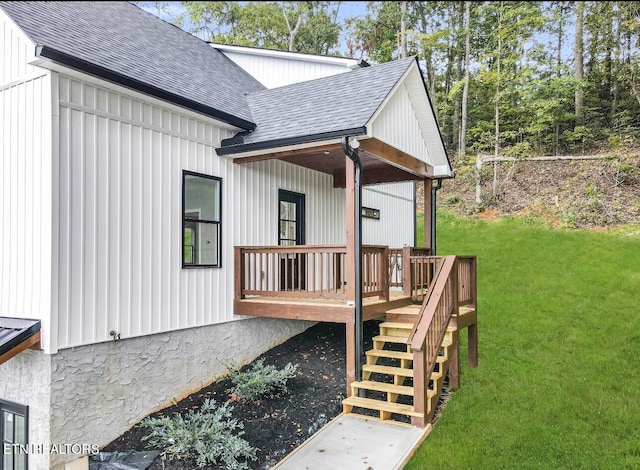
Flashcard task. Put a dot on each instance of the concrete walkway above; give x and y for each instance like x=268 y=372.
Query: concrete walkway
x=350 y=442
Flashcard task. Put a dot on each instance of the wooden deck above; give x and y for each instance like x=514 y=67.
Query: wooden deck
x=328 y=310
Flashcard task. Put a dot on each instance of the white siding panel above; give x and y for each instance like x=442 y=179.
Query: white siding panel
x=25 y=200
x=16 y=50
x=274 y=72
x=397 y=125
x=120 y=201
x=396 y=226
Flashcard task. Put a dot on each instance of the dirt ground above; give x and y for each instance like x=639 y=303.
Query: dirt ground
x=276 y=425
x=574 y=194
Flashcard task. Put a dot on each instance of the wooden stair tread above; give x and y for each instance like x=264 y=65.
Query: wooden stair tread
x=397 y=324
x=406 y=310
x=381 y=406
x=400 y=371
x=383 y=387
x=391 y=339
x=390 y=354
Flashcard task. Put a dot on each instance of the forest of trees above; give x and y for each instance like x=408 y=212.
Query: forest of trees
x=514 y=79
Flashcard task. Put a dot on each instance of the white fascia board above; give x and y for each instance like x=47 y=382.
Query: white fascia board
x=299 y=56
x=47 y=64
x=442 y=171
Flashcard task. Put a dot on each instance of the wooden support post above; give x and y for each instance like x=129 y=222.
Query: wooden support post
x=419 y=389
x=454 y=361
x=472 y=335
x=406 y=271
x=238 y=281
x=350 y=225
x=428 y=183
x=351 y=355
x=384 y=274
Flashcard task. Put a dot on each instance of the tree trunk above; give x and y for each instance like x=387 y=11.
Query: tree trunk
x=579 y=63
x=559 y=66
x=403 y=30
x=293 y=32
x=462 y=146
x=458 y=98
x=497 y=104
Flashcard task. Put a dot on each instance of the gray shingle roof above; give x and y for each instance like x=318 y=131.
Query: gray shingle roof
x=157 y=57
x=307 y=111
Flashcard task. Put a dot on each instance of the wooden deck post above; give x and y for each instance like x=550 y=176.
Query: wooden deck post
x=472 y=335
x=350 y=225
x=454 y=361
x=406 y=271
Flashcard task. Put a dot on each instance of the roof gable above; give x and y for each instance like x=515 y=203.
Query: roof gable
x=340 y=104
x=122 y=43
x=388 y=102
x=407 y=121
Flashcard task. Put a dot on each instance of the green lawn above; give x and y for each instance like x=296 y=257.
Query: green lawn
x=558 y=384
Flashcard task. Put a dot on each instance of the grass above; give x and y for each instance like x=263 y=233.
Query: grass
x=558 y=384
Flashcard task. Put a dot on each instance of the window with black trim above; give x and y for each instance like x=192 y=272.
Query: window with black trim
x=201 y=220
x=14 y=431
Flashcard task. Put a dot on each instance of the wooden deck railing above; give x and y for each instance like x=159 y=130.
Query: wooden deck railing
x=440 y=302
x=398 y=259
x=467 y=289
x=307 y=271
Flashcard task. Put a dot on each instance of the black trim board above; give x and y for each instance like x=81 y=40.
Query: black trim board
x=14 y=331
x=96 y=70
x=234 y=147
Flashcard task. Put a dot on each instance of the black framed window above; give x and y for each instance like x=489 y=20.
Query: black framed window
x=14 y=432
x=201 y=220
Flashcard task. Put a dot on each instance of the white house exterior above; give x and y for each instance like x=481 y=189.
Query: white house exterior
x=396 y=202
x=91 y=209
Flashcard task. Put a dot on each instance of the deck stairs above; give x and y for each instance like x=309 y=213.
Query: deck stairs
x=386 y=389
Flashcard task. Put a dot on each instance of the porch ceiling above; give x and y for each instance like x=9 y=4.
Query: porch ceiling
x=381 y=163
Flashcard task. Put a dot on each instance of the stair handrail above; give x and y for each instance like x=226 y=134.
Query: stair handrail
x=439 y=300
x=429 y=331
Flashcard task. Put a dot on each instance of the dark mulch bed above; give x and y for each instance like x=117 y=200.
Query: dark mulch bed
x=276 y=425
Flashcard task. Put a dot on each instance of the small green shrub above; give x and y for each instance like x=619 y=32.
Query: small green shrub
x=260 y=380
x=452 y=199
x=208 y=435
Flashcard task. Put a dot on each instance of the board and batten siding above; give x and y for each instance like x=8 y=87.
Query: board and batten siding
x=275 y=72
x=25 y=181
x=119 y=205
x=397 y=125
x=396 y=226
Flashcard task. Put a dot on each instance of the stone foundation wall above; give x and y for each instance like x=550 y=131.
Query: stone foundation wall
x=101 y=390
x=26 y=380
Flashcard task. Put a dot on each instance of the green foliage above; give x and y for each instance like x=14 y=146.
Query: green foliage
x=270 y=25
x=260 y=380
x=209 y=436
x=558 y=346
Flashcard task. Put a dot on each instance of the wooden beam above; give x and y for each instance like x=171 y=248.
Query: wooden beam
x=387 y=174
x=293 y=311
x=287 y=153
x=397 y=158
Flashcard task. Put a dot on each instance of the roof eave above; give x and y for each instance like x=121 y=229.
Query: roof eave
x=288 y=141
x=84 y=66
